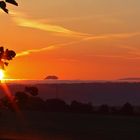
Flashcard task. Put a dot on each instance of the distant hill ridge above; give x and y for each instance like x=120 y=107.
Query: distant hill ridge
x=131 y=78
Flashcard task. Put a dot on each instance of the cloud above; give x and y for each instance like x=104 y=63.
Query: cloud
x=110 y=56
x=69 y=19
x=113 y=36
x=51 y=47
x=28 y=52
x=68 y=60
x=108 y=36
x=22 y=20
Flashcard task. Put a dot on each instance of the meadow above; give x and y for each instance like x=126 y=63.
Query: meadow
x=68 y=126
x=42 y=118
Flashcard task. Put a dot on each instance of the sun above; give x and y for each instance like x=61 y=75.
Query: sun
x=1 y=74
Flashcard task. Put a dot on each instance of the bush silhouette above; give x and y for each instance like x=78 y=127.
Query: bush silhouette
x=36 y=103
x=78 y=107
x=56 y=105
x=27 y=99
x=114 y=110
x=21 y=99
x=32 y=90
x=127 y=109
x=7 y=103
x=103 y=109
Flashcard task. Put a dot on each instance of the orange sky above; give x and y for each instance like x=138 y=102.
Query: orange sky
x=74 y=39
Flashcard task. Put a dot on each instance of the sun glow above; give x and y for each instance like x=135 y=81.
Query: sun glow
x=1 y=74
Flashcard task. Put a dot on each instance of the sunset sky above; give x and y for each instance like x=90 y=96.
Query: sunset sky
x=73 y=39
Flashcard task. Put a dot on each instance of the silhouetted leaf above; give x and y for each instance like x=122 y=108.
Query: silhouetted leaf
x=1 y=52
x=6 y=63
x=3 y=6
x=1 y=49
x=12 y=2
x=9 y=54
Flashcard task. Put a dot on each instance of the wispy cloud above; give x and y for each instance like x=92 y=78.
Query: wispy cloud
x=51 y=47
x=113 y=36
x=117 y=56
x=28 y=52
x=55 y=46
x=22 y=20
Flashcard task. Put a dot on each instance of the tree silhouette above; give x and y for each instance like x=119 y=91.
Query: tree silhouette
x=127 y=109
x=5 y=56
x=32 y=90
x=21 y=99
x=103 y=109
x=56 y=105
x=28 y=99
x=78 y=107
x=3 y=5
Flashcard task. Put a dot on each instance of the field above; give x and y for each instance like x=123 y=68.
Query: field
x=66 y=126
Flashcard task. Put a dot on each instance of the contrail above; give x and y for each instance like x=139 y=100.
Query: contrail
x=51 y=47
x=21 y=19
x=90 y=38
x=28 y=52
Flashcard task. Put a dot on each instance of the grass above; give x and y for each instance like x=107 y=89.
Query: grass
x=67 y=126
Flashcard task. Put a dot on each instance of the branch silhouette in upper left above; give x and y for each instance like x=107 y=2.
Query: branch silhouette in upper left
x=3 y=4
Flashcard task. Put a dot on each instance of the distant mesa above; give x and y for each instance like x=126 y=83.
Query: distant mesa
x=51 y=77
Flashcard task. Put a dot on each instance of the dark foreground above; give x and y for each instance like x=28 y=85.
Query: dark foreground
x=68 y=126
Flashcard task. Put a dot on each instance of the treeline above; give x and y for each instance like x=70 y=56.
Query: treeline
x=29 y=100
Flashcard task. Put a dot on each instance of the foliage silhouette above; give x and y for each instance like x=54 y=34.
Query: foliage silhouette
x=3 y=5
x=21 y=99
x=56 y=105
x=36 y=103
x=6 y=103
x=104 y=109
x=114 y=110
x=32 y=90
x=12 y=2
x=79 y=107
x=5 y=56
x=127 y=109
x=27 y=99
